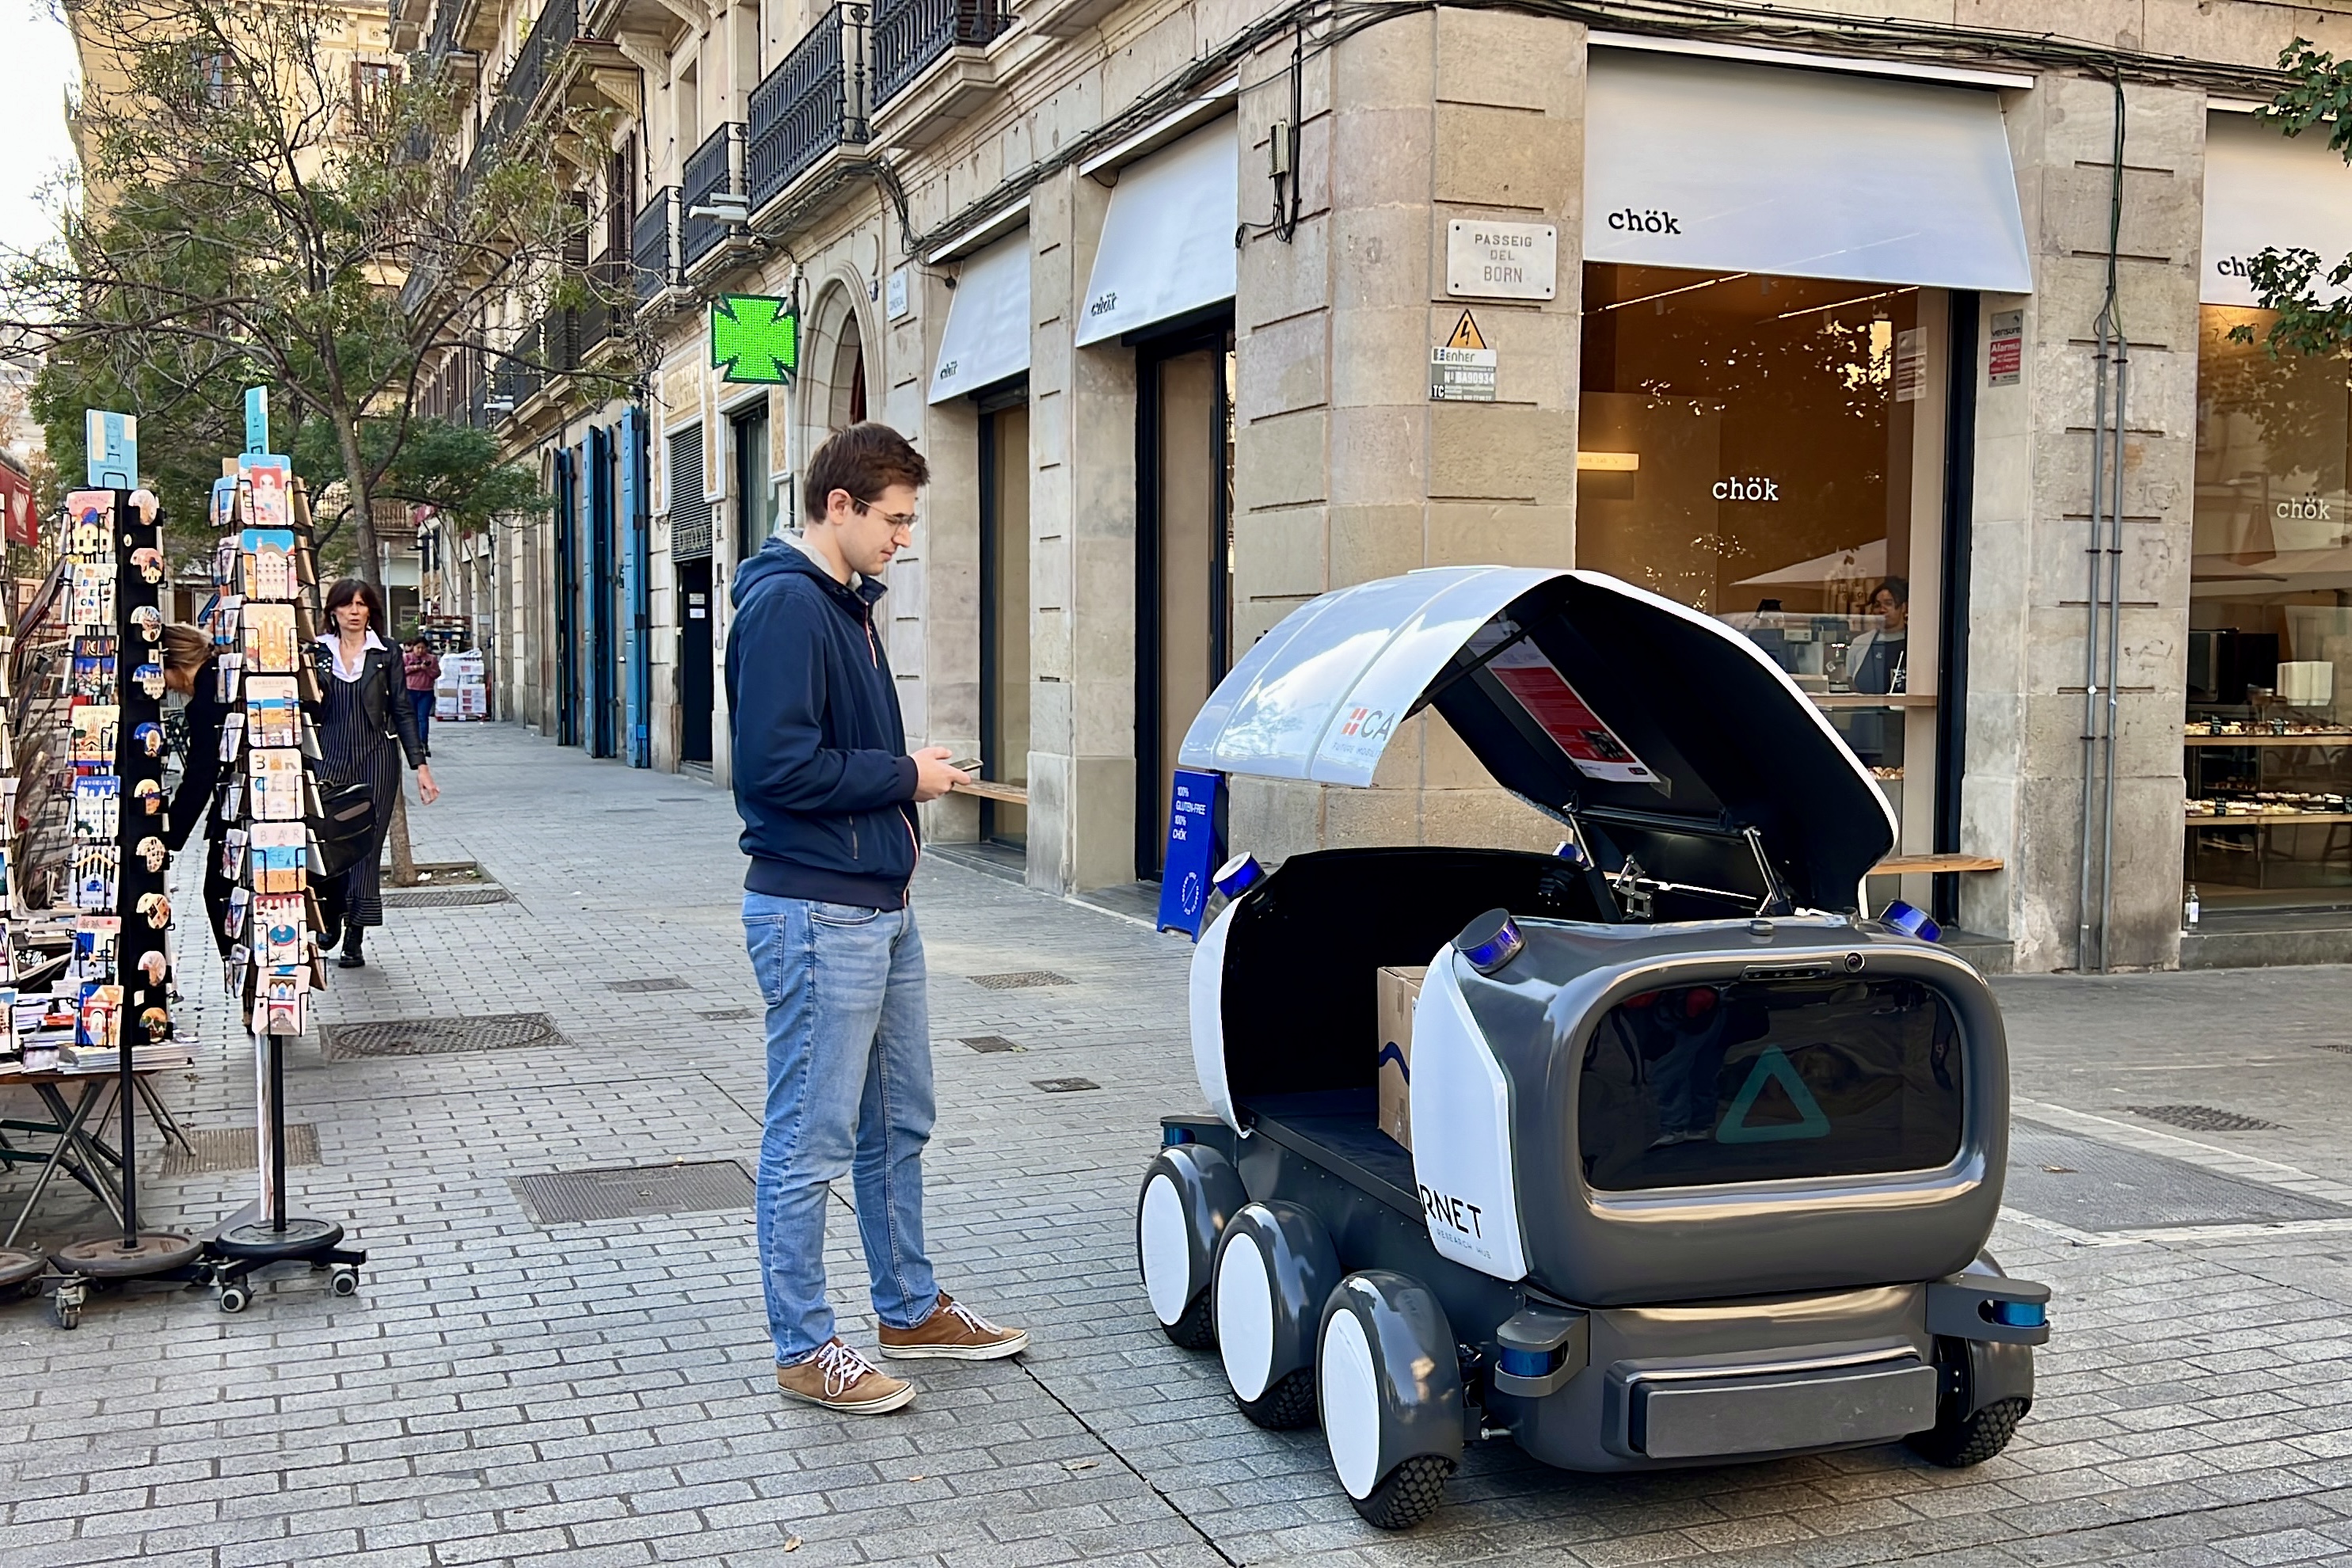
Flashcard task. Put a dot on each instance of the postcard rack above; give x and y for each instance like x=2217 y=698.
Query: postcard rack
x=264 y=619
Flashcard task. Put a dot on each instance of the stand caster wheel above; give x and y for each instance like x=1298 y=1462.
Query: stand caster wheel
x=233 y=1298
x=344 y=1281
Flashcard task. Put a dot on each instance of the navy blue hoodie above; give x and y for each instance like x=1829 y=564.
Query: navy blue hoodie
x=823 y=780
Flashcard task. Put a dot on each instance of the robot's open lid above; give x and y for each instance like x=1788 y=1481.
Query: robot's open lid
x=1579 y=692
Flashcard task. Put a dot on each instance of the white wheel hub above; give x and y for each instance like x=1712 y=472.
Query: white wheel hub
x=1244 y=1315
x=1349 y=1390
x=1165 y=1250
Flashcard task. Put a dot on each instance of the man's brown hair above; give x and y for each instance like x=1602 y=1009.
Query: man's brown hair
x=865 y=459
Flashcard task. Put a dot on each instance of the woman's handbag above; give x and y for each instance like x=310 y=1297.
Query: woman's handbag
x=346 y=824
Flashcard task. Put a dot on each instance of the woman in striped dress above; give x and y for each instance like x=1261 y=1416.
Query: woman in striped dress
x=364 y=715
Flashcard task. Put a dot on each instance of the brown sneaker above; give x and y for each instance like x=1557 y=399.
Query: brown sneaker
x=840 y=1379
x=955 y=1332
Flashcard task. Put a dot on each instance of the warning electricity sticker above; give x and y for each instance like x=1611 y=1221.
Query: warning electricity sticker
x=1553 y=704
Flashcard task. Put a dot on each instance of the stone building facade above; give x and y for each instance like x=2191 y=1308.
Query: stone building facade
x=1156 y=288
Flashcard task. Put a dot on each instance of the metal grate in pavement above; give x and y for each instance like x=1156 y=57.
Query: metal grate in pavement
x=2343 y=1045
x=232 y=1149
x=653 y=983
x=441 y=1037
x=442 y=898
x=726 y=1015
x=2097 y=1186
x=989 y=1044
x=572 y=1197
x=2203 y=1117
x=1019 y=980
x=1064 y=1085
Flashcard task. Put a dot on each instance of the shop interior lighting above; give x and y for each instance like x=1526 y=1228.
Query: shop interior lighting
x=1667 y=293
x=1840 y=304
x=1608 y=462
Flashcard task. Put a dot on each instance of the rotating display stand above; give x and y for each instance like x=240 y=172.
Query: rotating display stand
x=122 y=960
x=264 y=619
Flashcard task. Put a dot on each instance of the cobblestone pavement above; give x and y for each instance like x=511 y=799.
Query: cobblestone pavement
x=598 y=1393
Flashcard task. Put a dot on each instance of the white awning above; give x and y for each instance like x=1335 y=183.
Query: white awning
x=987 y=336
x=1168 y=240
x=1722 y=165
x=2266 y=192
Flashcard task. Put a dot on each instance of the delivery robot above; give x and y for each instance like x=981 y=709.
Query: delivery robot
x=1703 y=1160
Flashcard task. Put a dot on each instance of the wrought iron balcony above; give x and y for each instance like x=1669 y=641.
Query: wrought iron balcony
x=604 y=314
x=557 y=27
x=522 y=372
x=814 y=101
x=716 y=169
x=909 y=35
x=654 y=246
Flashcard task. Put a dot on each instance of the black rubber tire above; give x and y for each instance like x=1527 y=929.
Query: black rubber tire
x=1288 y=1405
x=1408 y=1494
x=1197 y=1329
x=1957 y=1444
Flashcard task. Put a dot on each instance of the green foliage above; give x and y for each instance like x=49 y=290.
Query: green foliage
x=453 y=468
x=249 y=219
x=2307 y=292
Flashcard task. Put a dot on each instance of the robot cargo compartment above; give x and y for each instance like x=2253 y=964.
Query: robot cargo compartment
x=1672 y=1413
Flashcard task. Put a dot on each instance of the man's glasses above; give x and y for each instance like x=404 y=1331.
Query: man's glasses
x=896 y=520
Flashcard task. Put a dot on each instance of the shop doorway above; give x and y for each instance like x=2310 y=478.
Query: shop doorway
x=694 y=662
x=1184 y=557
x=755 y=497
x=567 y=597
x=1004 y=610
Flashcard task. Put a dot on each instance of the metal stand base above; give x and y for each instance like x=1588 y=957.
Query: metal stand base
x=22 y=1271
x=247 y=1244
x=104 y=1260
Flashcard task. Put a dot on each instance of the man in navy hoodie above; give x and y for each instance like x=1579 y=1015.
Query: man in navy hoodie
x=827 y=793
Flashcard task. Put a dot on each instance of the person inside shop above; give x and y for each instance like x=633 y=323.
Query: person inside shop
x=188 y=669
x=366 y=727
x=421 y=668
x=1877 y=658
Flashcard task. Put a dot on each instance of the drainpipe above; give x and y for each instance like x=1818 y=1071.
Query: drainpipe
x=2111 y=364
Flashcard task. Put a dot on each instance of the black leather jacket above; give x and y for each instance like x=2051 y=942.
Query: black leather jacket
x=384 y=697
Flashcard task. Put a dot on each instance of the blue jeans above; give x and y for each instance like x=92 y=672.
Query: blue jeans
x=849 y=1093
x=422 y=702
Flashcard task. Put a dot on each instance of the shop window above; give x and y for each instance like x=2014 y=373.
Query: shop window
x=2268 y=731
x=1769 y=451
x=755 y=496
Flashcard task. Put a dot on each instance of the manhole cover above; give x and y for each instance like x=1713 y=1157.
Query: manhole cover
x=1064 y=1085
x=726 y=1015
x=442 y=898
x=990 y=1043
x=2097 y=1186
x=441 y=1037
x=2203 y=1117
x=570 y=1197
x=656 y=982
x=231 y=1148
x=1019 y=980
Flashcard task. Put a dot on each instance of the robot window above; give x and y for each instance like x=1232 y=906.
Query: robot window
x=1753 y=1081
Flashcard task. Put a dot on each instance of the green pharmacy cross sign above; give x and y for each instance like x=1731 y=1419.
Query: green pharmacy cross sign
x=755 y=340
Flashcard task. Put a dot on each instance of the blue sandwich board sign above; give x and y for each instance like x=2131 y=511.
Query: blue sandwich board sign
x=1192 y=852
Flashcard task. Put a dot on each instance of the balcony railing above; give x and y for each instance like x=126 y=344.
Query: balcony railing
x=910 y=34
x=523 y=371
x=604 y=315
x=556 y=28
x=714 y=169
x=814 y=101
x=653 y=247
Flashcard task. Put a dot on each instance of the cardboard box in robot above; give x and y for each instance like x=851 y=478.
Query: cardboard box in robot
x=1399 y=988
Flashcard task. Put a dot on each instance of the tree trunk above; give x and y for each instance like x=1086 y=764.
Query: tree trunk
x=355 y=485
x=404 y=859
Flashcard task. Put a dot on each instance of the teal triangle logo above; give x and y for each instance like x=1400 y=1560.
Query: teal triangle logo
x=1773 y=1066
